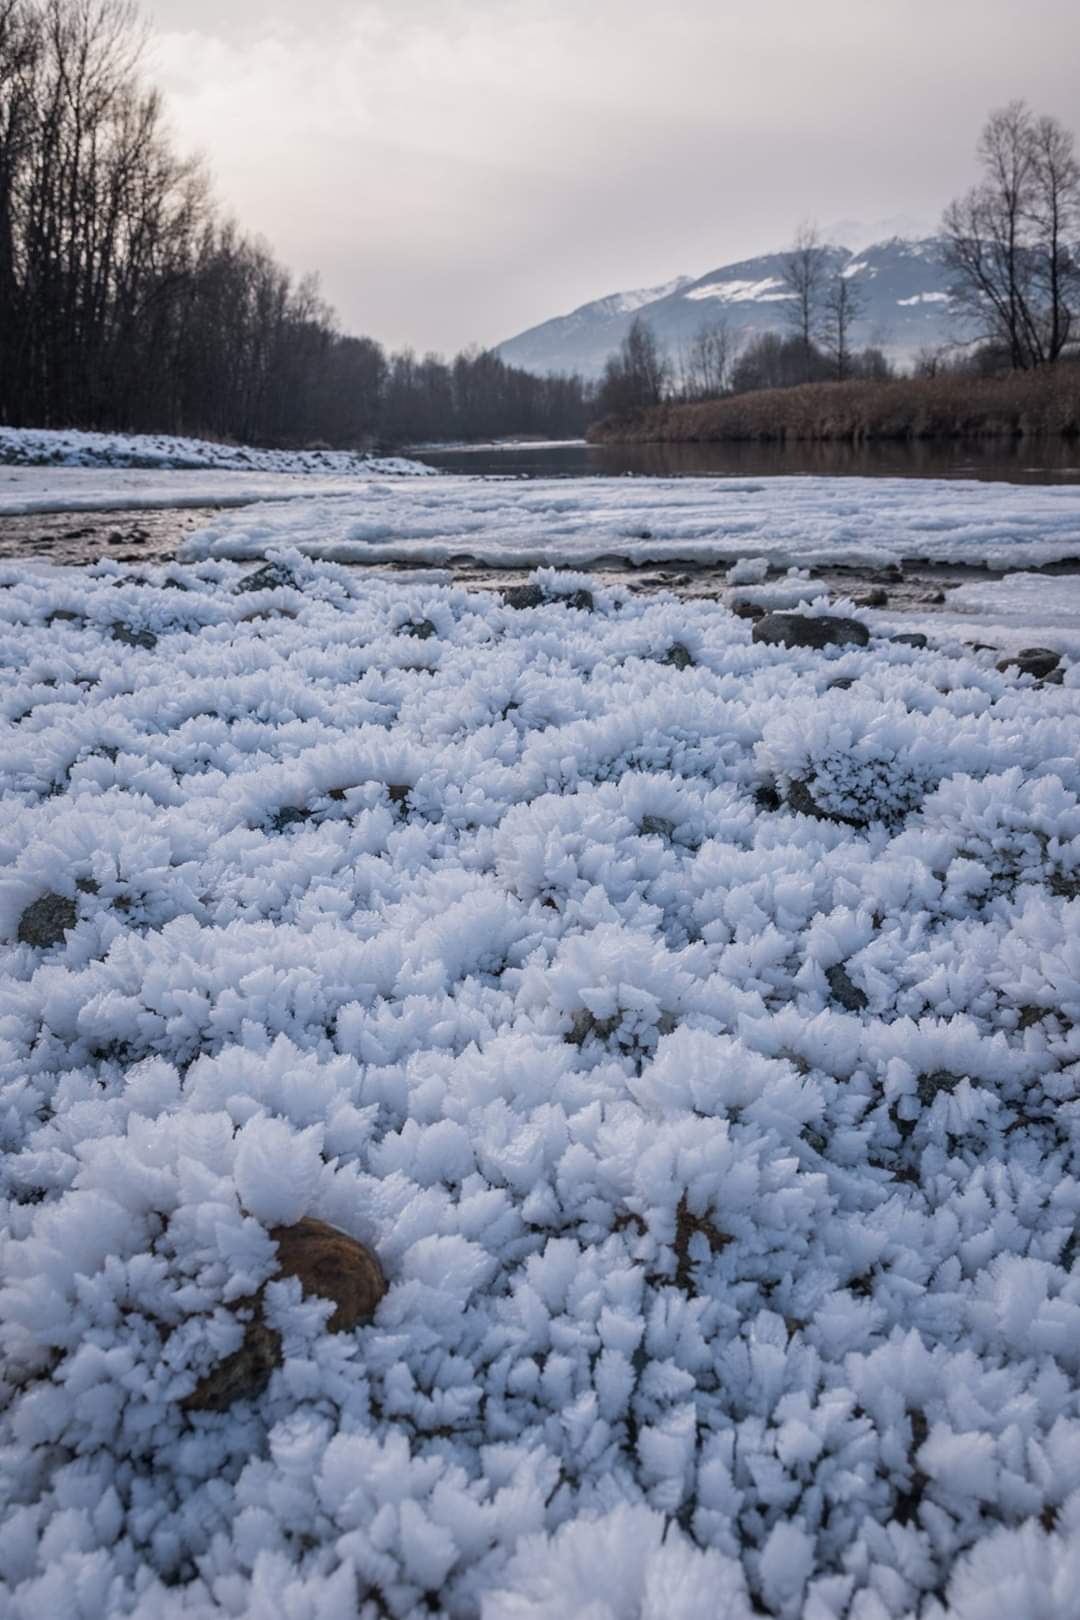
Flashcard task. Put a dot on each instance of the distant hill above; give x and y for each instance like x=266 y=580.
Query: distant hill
x=904 y=286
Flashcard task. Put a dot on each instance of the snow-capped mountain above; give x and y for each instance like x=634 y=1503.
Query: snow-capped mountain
x=903 y=287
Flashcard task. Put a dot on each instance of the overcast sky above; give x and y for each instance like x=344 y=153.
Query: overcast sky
x=458 y=170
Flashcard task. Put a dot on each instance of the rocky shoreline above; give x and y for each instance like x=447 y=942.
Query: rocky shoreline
x=79 y=539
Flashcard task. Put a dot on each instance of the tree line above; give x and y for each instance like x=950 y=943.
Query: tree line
x=127 y=301
x=1012 y=249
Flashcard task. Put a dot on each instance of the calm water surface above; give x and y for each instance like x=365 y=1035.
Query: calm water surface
x=1050 y=461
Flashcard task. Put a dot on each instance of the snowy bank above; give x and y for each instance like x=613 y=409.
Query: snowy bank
x=690 y=1026
x=578 y=523
x=25 y=490
x=71 y=447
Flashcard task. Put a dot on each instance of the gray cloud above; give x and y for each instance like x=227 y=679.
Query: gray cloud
x=459 y=169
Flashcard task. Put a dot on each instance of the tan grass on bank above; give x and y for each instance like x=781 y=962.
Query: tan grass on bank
x=1026 y=403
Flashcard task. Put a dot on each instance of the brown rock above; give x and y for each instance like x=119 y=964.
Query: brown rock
x=244 y=1374
x=330 y=1265
x=333 y=1266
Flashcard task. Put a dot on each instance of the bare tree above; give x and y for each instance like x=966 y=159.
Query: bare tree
x=1010 y=240
x=842 y=305
x=804 y=270
x=706 y=367
x=638 y=376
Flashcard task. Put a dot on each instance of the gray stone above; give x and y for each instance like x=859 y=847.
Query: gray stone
x=132 y=637
x=912 y=638
x=808 y=630
x=678 y=655
x=1037 y=661
x=524 y=596
x=657 y=827
x=46 y=920
x=422 y=629
x=928 y=1086
x=845 y=990
x=267 y=578
x=290 y=815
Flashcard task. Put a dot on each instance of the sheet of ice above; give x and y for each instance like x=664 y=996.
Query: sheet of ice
x=107 y=489
x=71 y=447
x=696 y=1040
x=576 y=523
x=1014 y=612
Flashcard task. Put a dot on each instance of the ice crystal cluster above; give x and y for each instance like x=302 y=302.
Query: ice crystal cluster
x=695 y=1040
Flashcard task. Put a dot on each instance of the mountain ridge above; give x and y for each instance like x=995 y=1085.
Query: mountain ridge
x=904 y=283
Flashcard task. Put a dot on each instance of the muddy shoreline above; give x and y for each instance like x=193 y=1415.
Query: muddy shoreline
x=153 y=537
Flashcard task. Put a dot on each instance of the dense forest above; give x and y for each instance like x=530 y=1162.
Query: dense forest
x=127 y=301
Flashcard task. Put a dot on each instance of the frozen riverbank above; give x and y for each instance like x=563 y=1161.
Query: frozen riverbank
x=692 y=1027
x=864 y=522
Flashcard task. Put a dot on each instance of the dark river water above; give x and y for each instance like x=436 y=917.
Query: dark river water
x=1043 y=461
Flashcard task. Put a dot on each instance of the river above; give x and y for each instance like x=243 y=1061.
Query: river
x=1019 y=461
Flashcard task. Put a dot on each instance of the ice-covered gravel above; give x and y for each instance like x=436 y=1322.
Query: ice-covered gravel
x=721 y=1155
x=578 y=522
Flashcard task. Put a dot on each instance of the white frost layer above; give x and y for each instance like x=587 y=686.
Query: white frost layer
x=1017 y=611
x=72 y=447
x=723 y=1159
x=1051 y=598
x=799 y=521
x=24 y=490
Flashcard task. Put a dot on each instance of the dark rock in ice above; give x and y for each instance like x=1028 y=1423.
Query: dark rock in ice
x=46 y=920
x=524 y=596
x=132 y=637
x=809 y=630
x=846 y=992
x=1038 y=661
x=267 y=578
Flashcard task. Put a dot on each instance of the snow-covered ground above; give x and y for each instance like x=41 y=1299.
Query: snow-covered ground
x=696 y=1043
x=45 y=471
x=71 y=447
x=575 y=523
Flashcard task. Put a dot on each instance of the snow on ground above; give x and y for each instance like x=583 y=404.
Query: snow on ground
x=575 y=523
x=697 y=1044
x=43 y=471
x=71 y=447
